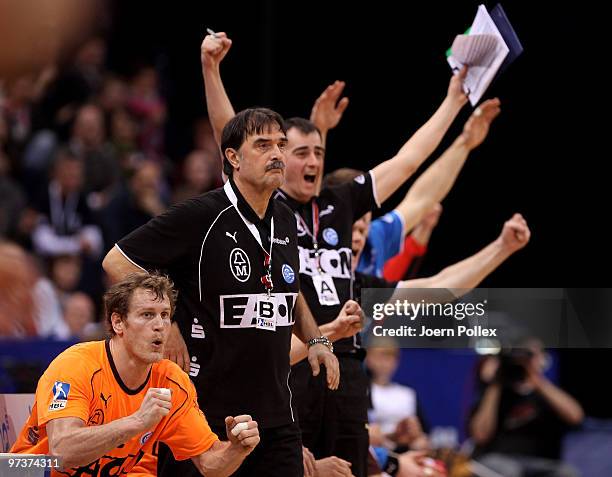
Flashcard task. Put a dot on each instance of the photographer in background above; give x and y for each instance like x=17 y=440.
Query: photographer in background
x=520 y=417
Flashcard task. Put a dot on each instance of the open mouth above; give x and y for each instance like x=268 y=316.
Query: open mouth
x=310 y=178
x=158 y=343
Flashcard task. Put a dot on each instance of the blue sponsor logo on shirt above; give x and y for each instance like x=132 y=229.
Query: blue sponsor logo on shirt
x=288 y=273
x=330 y=236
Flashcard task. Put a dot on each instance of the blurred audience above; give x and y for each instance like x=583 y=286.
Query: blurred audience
x=199 y=171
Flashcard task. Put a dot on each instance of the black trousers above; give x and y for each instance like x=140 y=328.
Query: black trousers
x=334 y=422
x=278 y=454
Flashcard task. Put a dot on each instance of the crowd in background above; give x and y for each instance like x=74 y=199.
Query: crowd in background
x=82 y=163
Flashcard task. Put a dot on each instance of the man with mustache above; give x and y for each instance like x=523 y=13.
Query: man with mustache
x=232 y=253
x=336 y=423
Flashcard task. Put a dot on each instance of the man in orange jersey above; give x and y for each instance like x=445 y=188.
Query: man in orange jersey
x=101 y=405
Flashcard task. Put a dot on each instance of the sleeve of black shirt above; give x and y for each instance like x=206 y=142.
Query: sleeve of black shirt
x=370 y=281
x=168 y=237
x=358 y=195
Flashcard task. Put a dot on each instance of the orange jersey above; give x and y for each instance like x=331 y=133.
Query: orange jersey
x=83 y=382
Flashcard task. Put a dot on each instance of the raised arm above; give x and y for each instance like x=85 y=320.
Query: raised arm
x=468 y=273
x=392 y=173
x=326 y=114
x=329 y=108
x=220 y=110
x=434 y=184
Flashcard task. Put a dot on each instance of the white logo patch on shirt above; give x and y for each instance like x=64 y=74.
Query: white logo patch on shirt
x=336 y=263
x=241 y=311
x=232 y=236
x=240 y=265
x=197 y=330
x=327 y=210
x=194 y=367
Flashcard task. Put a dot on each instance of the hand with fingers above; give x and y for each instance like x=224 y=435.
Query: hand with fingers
x=242 y=431
x=175 y=348
x=319 y=354
x=477 y=126
x=329 y=108
x=455 y=91
x=309 y=463
x=214 y=48
x=515 y=234
x=349 y=321
x=154 y=407
x=333 y=467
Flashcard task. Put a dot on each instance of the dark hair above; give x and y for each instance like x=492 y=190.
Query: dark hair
x=244 y=124
x=117 y=298
x=340 y=176
x=64 y=155
x=303 y=125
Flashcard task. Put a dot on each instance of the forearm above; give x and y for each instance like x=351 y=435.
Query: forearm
x=221 y=460
x=299 y=349
x=86 y=444
x=428 y=136
x=466 y=274
x=117 y=267
x=434 y=184
x=219 y=106
x=484 y=421
x=305 y=327
x=394 y=172
x=421 y=235
x=564 y=405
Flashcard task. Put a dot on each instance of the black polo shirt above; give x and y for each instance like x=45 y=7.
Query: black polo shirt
x=338 y=208
x=212 y=247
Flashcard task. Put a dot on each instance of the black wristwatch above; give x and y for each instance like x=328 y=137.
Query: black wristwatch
x=321 y=340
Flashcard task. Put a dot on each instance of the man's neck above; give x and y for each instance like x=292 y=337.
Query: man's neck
x=381 y=381
x=257 y=199
x=132 y=372
x=294 y=197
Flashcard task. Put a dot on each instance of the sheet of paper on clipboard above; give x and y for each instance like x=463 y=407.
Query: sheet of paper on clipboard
x=483 y=50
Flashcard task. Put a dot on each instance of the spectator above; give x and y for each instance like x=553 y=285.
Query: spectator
x=137 y=204
x=396 y=419
x=146 y=104
x=519 y=418
x=12 y=198
x=199 y=171
x=79 y=315
x=66 y=224
x=66 y=273
x=28 y=303
x=88 y=141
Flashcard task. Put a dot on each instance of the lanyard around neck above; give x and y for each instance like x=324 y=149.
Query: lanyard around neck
x=314 y=233
x=315 y=224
